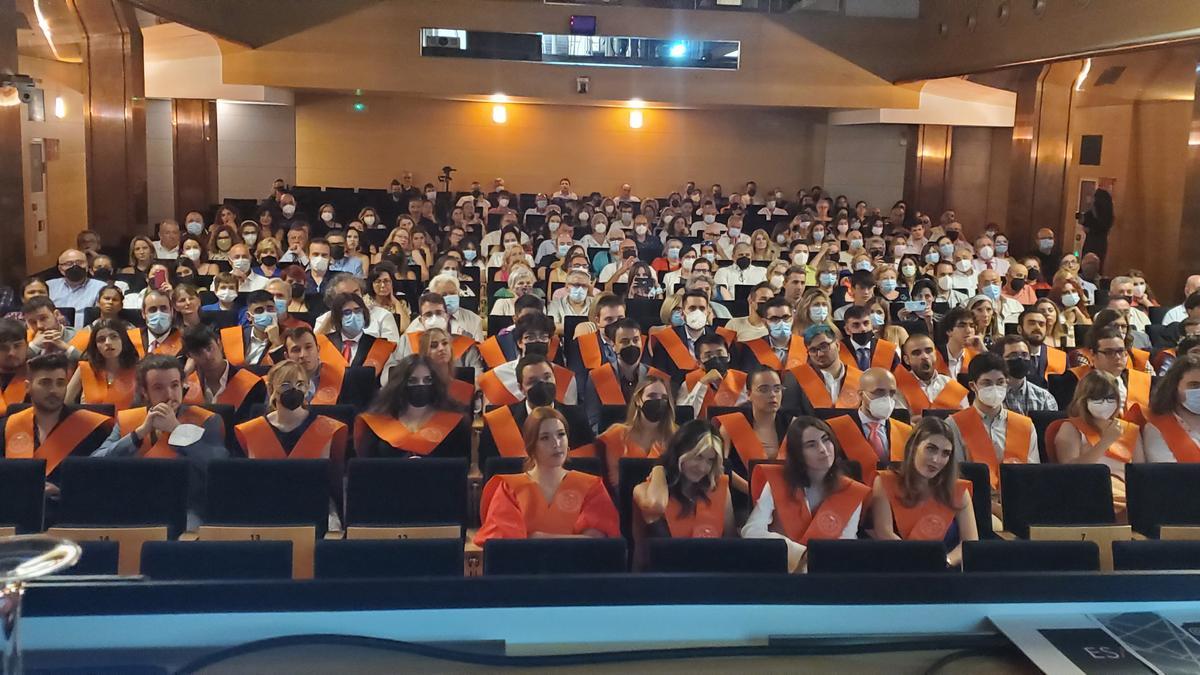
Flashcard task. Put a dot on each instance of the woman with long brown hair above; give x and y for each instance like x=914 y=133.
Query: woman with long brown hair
x=106 y=373
x=546 y=500
x=649 y=425
x=925 y=500
x=436 y=345
x=809 y=496
x=1095 y=433
x=413 y=415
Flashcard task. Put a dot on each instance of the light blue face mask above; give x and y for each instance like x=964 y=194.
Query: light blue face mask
x=159 y=322
x=1001 y=248
x=828 y=278
x=877 y=319
x=676 y=318
x=280 y=306
x=469 y=254
x=818 y=313
x=932 y=257
x=992 y=291
x=1191 y=401
x=781 y=330
x=562 y=250
x=887 y=285
x=946 y=249
x=577 y=293
x=452 y=303
x=855 y=244
x=353 y=324
x=264 y=320
x=863 y=265
x=615 y=246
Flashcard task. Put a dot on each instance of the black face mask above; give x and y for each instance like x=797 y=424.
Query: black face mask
x=743 y=262
x=630 y=355
x=655 y=409
x=1017 y=368
x=1033 y=274
x=860 y=340
x=291 y=398
x=537 y=349
x=718 y=363
x=1017 y=284
x=75 y=274
x=629 y=253
x=269 y=260
x=103 y=274
x=338 y=251
x=952 y=235
x=419 y=395
x=298 y=291
x=541 y=394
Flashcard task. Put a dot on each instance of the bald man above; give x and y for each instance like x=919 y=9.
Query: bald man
x=869 y=435
x=75 y=288
x=1178 y=313
x=991 y=285
x=1047 y=252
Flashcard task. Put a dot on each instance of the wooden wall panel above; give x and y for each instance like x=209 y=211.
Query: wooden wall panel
x=194 y=139
x=12 y=201
x=932 y=163
x=1188 y=247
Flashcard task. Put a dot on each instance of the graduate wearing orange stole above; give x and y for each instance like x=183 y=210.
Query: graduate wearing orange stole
x=106 y=374
x=546 y=500
x=413 y=416
x=925 y=500
x=755 y=432
x=809 y=496
x=440 y=348
x=1095 y=433
x=650 y=423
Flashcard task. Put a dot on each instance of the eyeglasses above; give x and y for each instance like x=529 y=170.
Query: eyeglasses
x=1111 y=353
x=769 y=389
x=820 y=348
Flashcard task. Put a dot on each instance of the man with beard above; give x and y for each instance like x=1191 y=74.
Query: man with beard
x=1044 y=359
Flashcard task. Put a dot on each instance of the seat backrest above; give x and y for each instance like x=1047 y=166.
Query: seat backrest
x=1055 y=494
x=555 y=556
x=981 y=496
x=1148 y=554
x=165 y=560
x=1162 y=494
x=99 y=492
x=268 y=492
x=854 y=556
x=359 y=387
x=22 y=482
x=716 y=556
x=226 y=412
x=632 y=471
x=390 y=492
x=385 y=558
x=97 y=558
x=1046 y=424
x=998 y=555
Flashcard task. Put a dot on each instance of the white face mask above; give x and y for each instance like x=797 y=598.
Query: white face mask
x=240 y=264
x=945 y=283
x=1101 y=409
x=881 y=408
x=327 y=216
x=319 y=263
x=985 y=253
x=431 y=195
x=288 y=209
x=963 y=265
x=368 y=220
x=503 y=202
x=697 y=319
x=687 y=263
x=993 y=396
x=226 y=295
x=193 y=253
x=600 y=228
x=641 y=230
x=709 y=219
x=250 y=238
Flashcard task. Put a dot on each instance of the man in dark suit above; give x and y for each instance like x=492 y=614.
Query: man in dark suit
x=673 y=350
x=503 y=426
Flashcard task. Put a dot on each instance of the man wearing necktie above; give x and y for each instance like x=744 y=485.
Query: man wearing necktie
x=860 y=337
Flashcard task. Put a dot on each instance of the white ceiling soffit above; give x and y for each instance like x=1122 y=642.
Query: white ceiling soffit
x=890 y=9
x=951 y=101
x=185 y=63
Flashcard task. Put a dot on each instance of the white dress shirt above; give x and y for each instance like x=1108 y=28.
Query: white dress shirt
x=997 y=428
x=758 y=524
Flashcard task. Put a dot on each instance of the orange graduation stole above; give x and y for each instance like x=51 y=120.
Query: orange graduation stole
x=883 y=357
x=927 y=521
x=979 y=442
x=859 y=449
x=129 y=420
x=14 y=392
x=324 y=437
x=1137 y=396
x=1178 y=440
x=608 y=386
x=58 y=444
x=505 y=432
x=745 y=442
x=171 y=345
x=377 y=355
x=96 y=388
x=329 y=384
x=556 y=517
x=236 y=389
x=761 y=347
x=949 y=398
x=492 y=353
x=707 y=520
x=1122 y=450
x=589 y=350
x=792 y=514
x=461 y=392
x=1056 y=361
x=498 y=394
x=676 y=349
x=813 y=385
x=392 y=431
x=727 y=392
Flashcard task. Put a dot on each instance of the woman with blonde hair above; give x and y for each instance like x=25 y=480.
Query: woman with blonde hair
x=1095 y=433
x=546 y=500
x=1058 y=334
x=141 y=256
x=813 y=308
x=925 y=500
x=186 y=300
x=437 y=345
x=267 y=253
x=648 y=426
x=762 y=249
x=985 y=317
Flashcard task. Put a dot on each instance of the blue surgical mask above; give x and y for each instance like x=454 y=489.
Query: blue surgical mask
x=827 y=278
x=818 y=313
x=864 y=265
x=615 y=246
x=992 y=291
x=932 y=257
x=946 y=249
x=1001 y=248
x=781 y=330
x=562 y=250
x=855 y=244
x=676 y=318
x=673 y=254
x=353 y=323
x=577 y=293
x=452 y=303
x=264 y=320
x=469 y=254
x=280 y=306
x=159 y=322
x=877 y=319
x=1191 y=401
x=887 y=285
x=1070 y=299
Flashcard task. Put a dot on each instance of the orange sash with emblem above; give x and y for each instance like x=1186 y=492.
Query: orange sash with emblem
x=58 y=444
x=324 y=437
x=726 y=394
x=236 y=389
x=329 y=384
x=1056 y=361
x=792 y=514
x=96 y=388
x=129 y=420
x=979 y=442
x=556 y=517
x=171 y=346
x=859 y=449
x=1178 y=440
x=883 y=356
x=765 y=353
x=949 y=398
x=744 y=440
x=1122 y=450
x=14 y=392
x=927 y=521
x=393 y=432
x=814 y=387
x=707 y=520
x=505 y=432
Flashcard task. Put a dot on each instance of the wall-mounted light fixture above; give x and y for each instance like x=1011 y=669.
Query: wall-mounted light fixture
x=635 y=113
x=60 y=107
x=499 y=111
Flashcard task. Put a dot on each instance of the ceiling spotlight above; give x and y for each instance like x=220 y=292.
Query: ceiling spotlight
x=677 y=50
